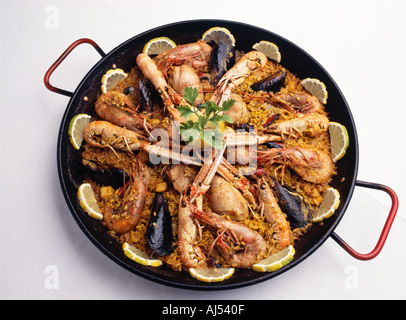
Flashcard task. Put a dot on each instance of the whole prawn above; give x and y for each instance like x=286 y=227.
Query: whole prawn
x=247 y=65
x=314 y=166
x=103 y=134
x=240 y=246
x=123 y=218
x=117 y=108
x=274 y=215
x=195 y=54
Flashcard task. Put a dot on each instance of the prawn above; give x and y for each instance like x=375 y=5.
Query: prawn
x=122 y=215
x=297 y=102
x=240 y=246
x=189 y=253
x=169 y=96
x=247 y=65
x=314 y=166
x=103 y=134
x=312 y=124
x=274 y=215
x=117 y=108
x=195 y=54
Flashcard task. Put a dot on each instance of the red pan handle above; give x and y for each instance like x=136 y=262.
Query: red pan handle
x=385 y=230
x=62 y=57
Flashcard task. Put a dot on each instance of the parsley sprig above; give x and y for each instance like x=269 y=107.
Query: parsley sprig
x=193 y=130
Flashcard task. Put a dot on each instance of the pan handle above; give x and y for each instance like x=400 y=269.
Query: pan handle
x=62 y=57
x=385 y=230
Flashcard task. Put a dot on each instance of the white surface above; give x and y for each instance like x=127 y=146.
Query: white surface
x=360 y=43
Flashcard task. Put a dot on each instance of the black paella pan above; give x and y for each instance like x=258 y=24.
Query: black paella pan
x=294 y=59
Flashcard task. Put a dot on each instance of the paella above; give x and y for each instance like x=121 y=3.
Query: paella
x=204 y=158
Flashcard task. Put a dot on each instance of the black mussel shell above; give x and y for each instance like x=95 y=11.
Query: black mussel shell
x=293 y=205
x=159 y=232
x=113 y=177
x=222 y=58
x=273 y=83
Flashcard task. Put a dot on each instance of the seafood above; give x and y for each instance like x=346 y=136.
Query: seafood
x=185 y=76
x=195 y=54
x=312 y=125
x=159 y=232
x=106 y=174
x=222 y=58
x=248 y=64
x=240 y=246
x=146 y=95
x=122 y=211
x=297 y=102
x=189 y=253
x=227 y=200
x=274 y=215
x=117 y=108
x=169 y=96
x=103 y=134
x=292 y=204
x=272 y=83
x=312 y=165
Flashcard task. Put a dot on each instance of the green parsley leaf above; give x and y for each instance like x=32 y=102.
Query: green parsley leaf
x=190 y=94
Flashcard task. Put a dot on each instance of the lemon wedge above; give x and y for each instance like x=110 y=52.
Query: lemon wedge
x=158 y=45
x=219 y=34
x=339 y=140
x=316 y=88
x=211 y=274
x=75 y=129
x=331 y=201
x=275 y=261
x=111 y=78
x=269 y=49
x=88 y=202
x=139 y=256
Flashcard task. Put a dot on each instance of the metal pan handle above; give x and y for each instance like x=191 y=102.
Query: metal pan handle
x=385 y=230
x=62 y=57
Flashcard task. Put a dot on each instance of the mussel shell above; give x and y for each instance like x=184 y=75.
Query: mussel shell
x=293 y=205
x=222 y=58
x=148 y=96
x=272 y=83
x=113 y=177
x=159 y=232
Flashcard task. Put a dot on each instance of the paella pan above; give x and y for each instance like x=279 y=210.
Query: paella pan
x=225 y=215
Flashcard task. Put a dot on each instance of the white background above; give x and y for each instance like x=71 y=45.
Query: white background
x=362 y=45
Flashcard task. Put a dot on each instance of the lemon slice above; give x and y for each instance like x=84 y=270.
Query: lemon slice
x=88 y=201
x=269 y=49
x=339 y=140
x=139 y=256
x=331 y=201
x=316 y=88
x=275 y=261
x=211 y=274
x=158 y=45
x=111 y=78
x=75 y=129
x=219 y=34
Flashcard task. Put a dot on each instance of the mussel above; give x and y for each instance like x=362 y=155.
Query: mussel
x=147 y=95
x=106 y=175
x=292 y=204
x=222 y=58
x=159 y=232
x=272 y=83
